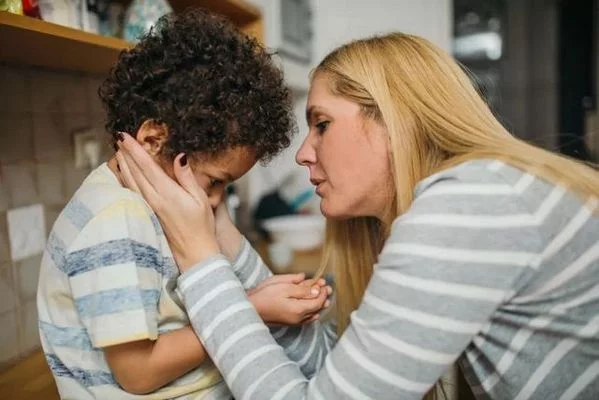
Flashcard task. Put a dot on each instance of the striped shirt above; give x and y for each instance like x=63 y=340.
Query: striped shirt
x=108 y=277
x=491 y=267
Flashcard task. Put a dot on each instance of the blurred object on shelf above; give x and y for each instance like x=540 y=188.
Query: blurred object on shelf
x=61 y=12
x=141 y=17
x=31 y=8
x=112 y=16
x=12 y=6
x=90 y=15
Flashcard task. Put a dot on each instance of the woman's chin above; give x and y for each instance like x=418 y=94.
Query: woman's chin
x=333 y=212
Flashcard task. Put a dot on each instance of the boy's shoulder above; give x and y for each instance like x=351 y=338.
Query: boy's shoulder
x=102 y=193
x=101 y=189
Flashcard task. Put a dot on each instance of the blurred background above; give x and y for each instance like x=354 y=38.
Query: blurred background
x=535 y=62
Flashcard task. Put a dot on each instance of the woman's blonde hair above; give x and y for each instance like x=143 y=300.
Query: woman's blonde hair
x=435 y=119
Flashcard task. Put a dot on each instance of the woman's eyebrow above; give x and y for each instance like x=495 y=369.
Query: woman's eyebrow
x=312 y=111
x=309 y=113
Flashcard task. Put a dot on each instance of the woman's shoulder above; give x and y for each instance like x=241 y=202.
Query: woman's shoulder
x=489 y=174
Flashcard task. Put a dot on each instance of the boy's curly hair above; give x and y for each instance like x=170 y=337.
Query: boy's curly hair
x=212 y=86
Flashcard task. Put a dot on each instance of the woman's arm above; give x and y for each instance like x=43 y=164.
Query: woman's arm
x=438 y=281
x=307 y=344
x=431 y=292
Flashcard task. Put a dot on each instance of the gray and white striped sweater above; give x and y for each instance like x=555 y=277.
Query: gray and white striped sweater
x=490 y=266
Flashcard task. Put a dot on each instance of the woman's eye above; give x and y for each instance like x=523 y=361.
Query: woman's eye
x=322 y=126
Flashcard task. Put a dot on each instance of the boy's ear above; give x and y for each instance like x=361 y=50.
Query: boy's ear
x=152 y=136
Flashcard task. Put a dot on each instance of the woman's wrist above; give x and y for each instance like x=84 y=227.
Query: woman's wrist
x=197 y=255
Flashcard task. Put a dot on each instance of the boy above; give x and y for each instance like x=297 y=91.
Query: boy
x=111 y=323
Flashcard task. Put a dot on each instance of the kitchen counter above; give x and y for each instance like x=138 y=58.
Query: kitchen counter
x=303 y=261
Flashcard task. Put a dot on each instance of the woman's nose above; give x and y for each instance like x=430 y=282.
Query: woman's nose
x=307 y=153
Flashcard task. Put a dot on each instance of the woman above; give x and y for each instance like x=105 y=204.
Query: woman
x=486 y=248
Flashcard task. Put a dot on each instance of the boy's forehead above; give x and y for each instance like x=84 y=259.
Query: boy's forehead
x=231 y=163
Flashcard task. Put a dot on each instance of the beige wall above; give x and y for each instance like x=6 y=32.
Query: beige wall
x=39 y=110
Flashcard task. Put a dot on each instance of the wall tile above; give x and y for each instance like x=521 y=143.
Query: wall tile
x=50 y=182
x=20 y=180
x=29 y=338
x=74 y=177
x=13 y=81
x=16 y=136
x=8 y=299
x=4 y=243
x=27 y=273
x=9 y=344
x=95 y=105
x=51 y=138
x=40 y=110
x=51 y=213
x=54 y=91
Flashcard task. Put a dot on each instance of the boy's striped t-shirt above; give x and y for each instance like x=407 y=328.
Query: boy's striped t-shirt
x=108 y=277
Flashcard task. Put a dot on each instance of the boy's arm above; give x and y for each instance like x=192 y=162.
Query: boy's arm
x=144 y=366
x=115 y=268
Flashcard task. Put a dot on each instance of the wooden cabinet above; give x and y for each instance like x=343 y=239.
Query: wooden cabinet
x=30 y=41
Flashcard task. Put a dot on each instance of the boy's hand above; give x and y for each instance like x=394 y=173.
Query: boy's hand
x=290 y=299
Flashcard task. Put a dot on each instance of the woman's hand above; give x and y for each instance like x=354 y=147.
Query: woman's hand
x=290 y=299
x=183 y=208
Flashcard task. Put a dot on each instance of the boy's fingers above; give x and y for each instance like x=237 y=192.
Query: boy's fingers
x=284 y=278
x=310 y=318
x=288 y=278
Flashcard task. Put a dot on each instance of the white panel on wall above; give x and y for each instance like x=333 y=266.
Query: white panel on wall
x=26 y=231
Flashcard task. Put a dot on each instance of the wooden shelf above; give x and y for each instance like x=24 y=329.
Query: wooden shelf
x=30 y=41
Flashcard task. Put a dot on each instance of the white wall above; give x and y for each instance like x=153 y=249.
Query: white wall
x=337 y=22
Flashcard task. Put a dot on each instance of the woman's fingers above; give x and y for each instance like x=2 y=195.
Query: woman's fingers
x=303 y=291
x=139 y=180
x=126 y=173
x=310 y=306
x=187 y=180
x=142 y=165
